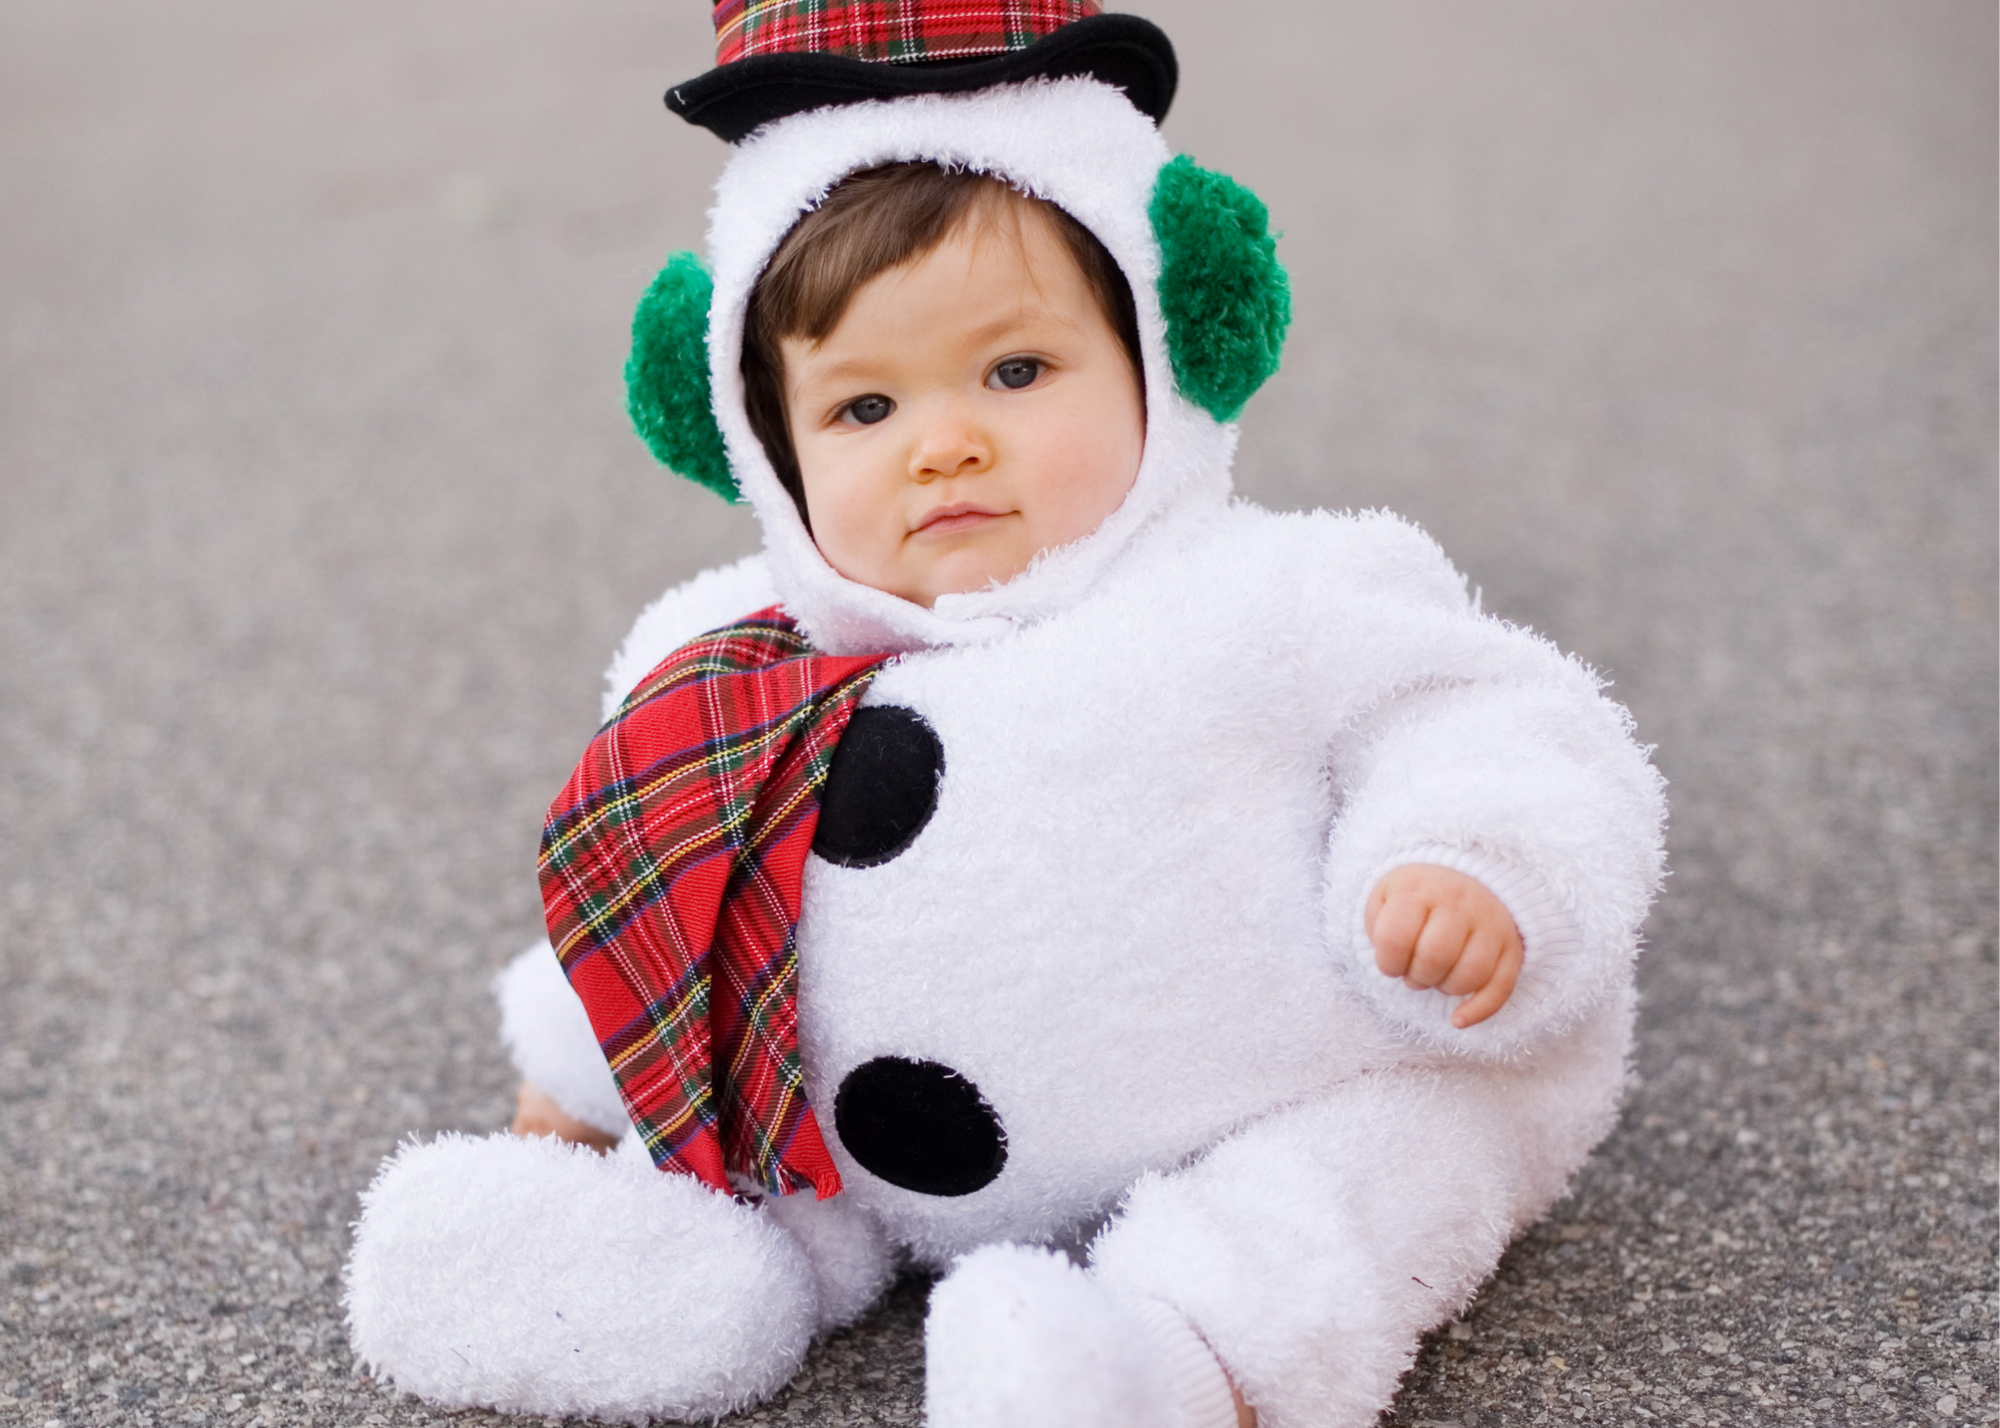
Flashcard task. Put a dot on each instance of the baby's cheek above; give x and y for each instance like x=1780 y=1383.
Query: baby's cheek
x=848 y=520
x=1089 y=478
x=1105 y=441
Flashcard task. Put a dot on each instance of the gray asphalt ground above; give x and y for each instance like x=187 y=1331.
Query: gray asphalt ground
x=318 y=519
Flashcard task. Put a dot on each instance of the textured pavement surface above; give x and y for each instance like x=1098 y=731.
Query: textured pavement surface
x=318 y=519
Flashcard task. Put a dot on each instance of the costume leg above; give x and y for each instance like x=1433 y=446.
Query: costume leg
x=1313 y=1249
x=852 y=1261
x=533 y=1276
x=1019 y=1335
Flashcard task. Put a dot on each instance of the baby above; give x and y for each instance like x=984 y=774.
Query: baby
x=945 y=373
x=1197 y=932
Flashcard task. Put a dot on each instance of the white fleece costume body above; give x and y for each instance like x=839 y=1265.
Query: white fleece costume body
x=1177 y=757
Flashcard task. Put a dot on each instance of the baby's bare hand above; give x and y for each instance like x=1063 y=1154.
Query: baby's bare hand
x=1435 y=927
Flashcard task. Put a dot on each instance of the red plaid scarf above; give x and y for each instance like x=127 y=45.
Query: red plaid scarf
x=671 y=871
x=893 y=31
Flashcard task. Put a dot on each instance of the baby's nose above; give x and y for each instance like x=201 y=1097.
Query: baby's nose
x=951 y=446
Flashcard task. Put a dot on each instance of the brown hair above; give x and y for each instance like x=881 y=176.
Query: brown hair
x=874 y=220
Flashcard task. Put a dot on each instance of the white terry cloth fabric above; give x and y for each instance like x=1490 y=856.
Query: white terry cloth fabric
x=1389 y=674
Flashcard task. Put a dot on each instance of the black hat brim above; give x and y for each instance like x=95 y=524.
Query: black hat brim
x=1126 y=51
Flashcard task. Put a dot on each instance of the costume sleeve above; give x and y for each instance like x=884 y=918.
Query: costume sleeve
x=550 y=1039
x=1502 y=759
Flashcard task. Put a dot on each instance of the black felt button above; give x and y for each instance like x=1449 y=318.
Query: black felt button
x=920 y=1126
x=881 y=788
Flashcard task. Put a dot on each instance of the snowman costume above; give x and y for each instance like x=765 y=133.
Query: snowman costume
x=1175 y=758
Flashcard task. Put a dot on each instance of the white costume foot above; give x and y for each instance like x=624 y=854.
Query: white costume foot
x=1022 y=1338
x=533 y=1276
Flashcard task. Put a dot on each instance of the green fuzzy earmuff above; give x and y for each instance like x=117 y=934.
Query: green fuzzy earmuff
x=666 y=377
x=1223 y=294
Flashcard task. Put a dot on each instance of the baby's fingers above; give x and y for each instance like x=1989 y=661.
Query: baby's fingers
x=1491 y=997
x=1438 y=949
x=1475 y=965
x=1393 y=925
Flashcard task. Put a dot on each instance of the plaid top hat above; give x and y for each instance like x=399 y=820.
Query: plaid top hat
x=781 y=57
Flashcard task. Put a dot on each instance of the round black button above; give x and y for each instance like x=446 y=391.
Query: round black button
x=920 y=1126
x=881 y=788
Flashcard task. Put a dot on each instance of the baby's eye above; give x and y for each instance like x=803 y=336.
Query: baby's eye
x=1015 y=373
x=870 y=409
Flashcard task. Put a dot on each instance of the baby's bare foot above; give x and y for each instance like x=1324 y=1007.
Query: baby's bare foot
x=536 y=1114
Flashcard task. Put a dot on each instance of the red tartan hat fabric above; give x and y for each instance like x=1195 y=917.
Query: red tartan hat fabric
x=889 y=31
x=672 y=868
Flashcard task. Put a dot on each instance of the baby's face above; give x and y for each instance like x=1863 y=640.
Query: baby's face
x=972 y=409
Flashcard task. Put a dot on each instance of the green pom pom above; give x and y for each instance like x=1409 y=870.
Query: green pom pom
x=1223 y=291
x=666 y=377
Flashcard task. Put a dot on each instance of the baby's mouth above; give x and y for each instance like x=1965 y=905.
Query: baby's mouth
x=949 y=520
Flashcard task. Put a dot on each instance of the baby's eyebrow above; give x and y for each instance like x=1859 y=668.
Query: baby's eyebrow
x=1001 y=326
x=847 y=369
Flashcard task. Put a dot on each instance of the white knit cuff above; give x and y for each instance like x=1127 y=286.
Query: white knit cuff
x=1197 y=1387
x=548 y=1034
x=1550 y=986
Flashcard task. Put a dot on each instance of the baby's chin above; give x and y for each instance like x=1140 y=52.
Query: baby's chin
x=929 y=595
x=969 y=577
x=959 y=573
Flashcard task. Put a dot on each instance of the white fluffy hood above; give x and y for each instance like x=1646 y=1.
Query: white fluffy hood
x=1076 y=143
